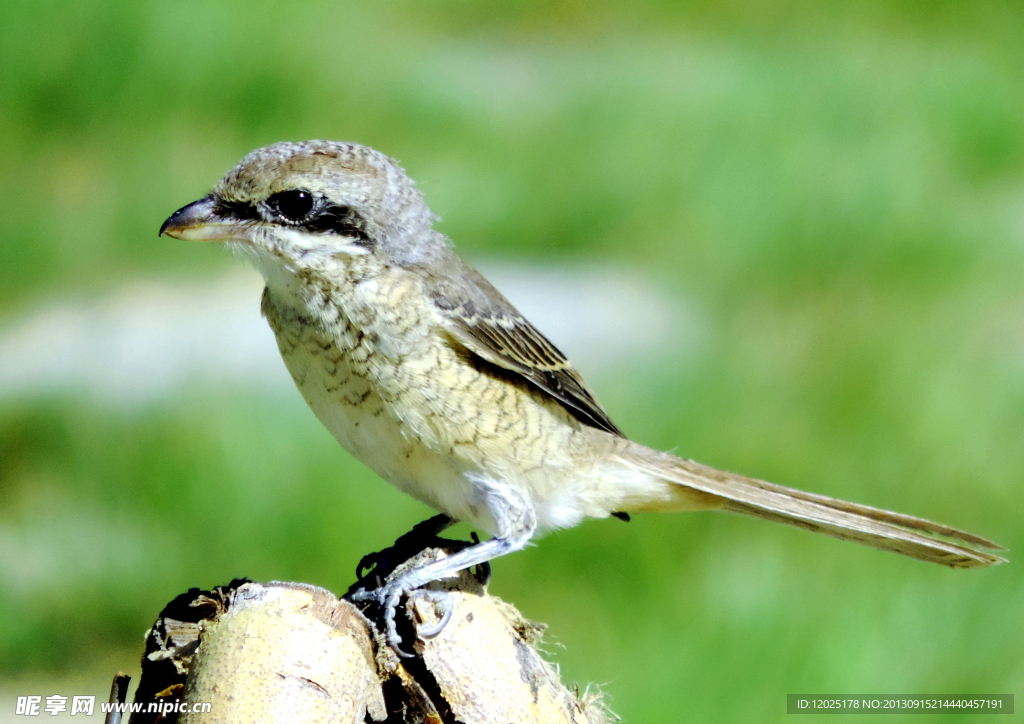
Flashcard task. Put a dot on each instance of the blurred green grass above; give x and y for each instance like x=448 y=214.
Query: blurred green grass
x=838 y=188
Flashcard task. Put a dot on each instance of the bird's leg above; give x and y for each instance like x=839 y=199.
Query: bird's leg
x=422 y=536
x=516 y=523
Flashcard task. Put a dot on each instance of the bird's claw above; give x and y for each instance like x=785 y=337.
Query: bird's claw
x=444 y=600
x=387 y=598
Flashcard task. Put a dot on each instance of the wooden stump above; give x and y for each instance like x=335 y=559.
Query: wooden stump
x=287 y=652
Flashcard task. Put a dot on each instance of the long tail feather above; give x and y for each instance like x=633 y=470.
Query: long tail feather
x=914 y=537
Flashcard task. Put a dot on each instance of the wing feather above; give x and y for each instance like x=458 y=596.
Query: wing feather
x=486 y=324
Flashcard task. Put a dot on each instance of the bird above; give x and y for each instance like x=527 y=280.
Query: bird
x=423 y=371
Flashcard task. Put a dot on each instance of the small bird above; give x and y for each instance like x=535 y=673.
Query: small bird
x=427 y=374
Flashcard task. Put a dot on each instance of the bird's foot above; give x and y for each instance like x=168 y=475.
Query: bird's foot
x=389 y=596
x=415 y=560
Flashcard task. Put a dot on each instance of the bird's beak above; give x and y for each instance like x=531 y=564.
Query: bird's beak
x=199 y=221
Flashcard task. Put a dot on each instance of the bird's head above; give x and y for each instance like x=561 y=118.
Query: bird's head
x=300 y=205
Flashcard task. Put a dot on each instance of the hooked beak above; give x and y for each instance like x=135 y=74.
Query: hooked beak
x=199 y=221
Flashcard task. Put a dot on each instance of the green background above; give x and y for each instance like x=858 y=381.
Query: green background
x=838 y=188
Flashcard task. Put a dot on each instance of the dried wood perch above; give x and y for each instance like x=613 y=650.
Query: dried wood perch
x=287 y=652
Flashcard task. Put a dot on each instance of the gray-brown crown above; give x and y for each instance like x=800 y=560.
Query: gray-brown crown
x=385 y=203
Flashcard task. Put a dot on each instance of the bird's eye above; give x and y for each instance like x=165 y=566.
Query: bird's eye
x=294 y=206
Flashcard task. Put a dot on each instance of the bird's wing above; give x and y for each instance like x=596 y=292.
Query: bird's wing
x=482 y=321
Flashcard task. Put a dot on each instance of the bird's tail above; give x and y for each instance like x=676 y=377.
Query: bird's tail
x=914 y=537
